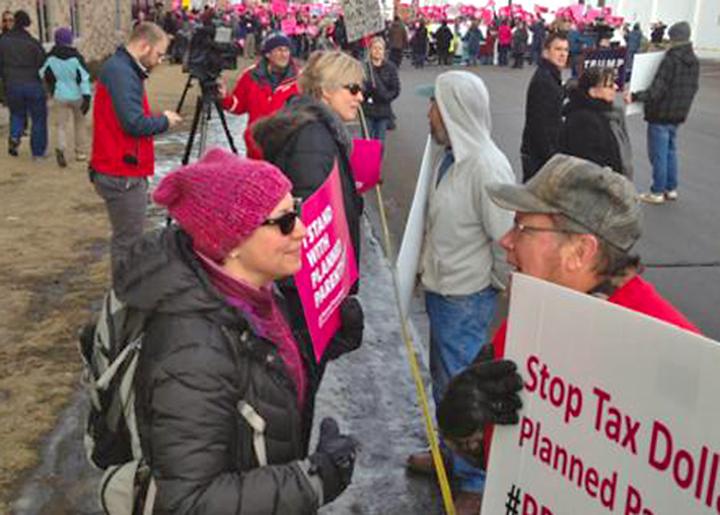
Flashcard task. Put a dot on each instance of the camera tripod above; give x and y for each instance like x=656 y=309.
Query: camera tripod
x=203 y=110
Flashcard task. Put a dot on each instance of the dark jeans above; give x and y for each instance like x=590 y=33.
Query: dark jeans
x=396 y=56
x=503 y=51
x=378 y=128
x=519 y=60
x=24 y=99
x=126 y=202
x=535 y=54
x=443 y=56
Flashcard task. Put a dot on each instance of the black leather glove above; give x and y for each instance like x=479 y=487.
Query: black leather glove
x=484 y=393
x=334 y=459
x=349 y=336
x=85 y=106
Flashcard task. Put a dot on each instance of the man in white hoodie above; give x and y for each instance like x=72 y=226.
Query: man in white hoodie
x=461 y=261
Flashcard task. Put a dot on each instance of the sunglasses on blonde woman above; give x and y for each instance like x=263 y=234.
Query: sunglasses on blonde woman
x=353 y=88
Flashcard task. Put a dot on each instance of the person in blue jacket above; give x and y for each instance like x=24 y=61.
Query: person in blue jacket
x=68 y=79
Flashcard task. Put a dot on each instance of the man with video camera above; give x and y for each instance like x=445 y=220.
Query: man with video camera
x=264 y=87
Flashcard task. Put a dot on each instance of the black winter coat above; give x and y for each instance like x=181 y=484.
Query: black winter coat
x=543 y=113
x=587 y=132
x=304 y=140
x=669 y=97
x=419 y=41
x=443 y=38
x=199 y=359
x=21 y=57
x=382 y=86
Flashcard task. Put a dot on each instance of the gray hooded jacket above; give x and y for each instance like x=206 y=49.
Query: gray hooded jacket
x=460 y=255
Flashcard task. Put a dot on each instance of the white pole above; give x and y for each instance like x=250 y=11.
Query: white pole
x=696 y=20
x=653 y=11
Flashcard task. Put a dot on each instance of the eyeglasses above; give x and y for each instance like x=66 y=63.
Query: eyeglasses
x=522 y=228
x=353 y=88
x=287 y=221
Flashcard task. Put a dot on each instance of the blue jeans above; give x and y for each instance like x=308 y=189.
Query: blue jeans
x=503 y=51
x=458 y=329
x=662 y=151
x=378 y=128
x=24 y=99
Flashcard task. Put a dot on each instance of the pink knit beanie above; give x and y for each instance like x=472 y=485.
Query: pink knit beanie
x=221 y=199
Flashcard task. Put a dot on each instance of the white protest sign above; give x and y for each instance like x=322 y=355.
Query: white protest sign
x=408 y=258
x=620 y=412
x=362 y=17
x=644 y=68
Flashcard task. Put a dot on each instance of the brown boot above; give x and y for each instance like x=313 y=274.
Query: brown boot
x=422 y=463
x=468 y=503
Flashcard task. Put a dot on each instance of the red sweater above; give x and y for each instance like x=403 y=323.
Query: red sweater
x=254 y=95
x=638 y=295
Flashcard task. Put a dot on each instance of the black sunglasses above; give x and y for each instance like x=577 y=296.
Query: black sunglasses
x=353 y=88
x=286 y=222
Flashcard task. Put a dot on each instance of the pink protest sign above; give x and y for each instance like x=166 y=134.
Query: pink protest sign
x=366 y=162
x=279 y=7
x=328 y=262
x=288 y=26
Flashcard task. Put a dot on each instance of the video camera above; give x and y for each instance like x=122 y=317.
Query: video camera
x=211 y=51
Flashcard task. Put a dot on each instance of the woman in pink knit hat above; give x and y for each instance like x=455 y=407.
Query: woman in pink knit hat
x=224 y=396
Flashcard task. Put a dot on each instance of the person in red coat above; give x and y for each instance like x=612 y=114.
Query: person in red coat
x=264 y=87
x=575 y=225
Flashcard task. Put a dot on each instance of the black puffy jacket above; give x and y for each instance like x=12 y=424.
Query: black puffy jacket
x=543 y=114
x=382 y=86
x=671 y=93
x=199 y=360
x=304 y=140
x=595 y=131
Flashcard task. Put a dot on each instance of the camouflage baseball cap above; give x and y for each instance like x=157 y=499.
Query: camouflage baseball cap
x=600 y=201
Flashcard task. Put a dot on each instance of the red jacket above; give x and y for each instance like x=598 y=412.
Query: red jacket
x=123 y=126
x=504 y=35
x=638 y=295
x=255 y=95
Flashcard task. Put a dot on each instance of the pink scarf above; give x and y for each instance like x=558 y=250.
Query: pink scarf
x=258 y=306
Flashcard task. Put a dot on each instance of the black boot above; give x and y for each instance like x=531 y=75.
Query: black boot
x=60 y=156
x=13 y=145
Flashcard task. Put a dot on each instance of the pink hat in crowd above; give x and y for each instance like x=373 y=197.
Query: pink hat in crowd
x=221 y=199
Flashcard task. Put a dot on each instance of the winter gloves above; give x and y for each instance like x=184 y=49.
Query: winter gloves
x=334 y=459
x=350 y=335
x=85 y=106
x=484 y=393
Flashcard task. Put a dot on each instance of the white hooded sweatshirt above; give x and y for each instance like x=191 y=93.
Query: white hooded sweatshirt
x=460 y=254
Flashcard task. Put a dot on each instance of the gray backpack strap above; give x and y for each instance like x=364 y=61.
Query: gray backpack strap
x=257 y=423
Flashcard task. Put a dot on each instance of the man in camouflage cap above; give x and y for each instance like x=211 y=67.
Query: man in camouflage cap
x=575 y=225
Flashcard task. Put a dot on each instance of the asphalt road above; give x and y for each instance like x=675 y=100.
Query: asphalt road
x=684 y=232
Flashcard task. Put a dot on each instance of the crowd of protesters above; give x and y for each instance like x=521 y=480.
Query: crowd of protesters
x=216 y=286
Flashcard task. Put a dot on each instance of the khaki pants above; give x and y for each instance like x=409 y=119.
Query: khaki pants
x=62 y=113
x=250 y=45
